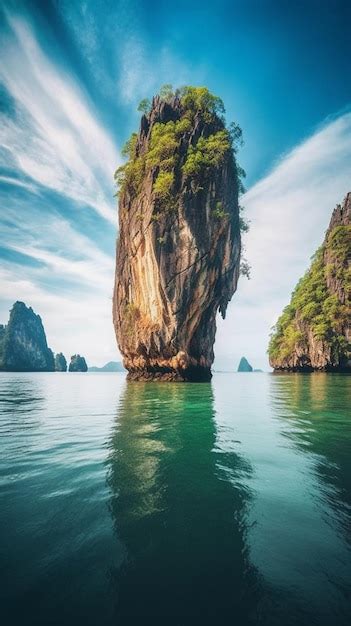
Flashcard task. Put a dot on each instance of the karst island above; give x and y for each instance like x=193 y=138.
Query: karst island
x=179 y=246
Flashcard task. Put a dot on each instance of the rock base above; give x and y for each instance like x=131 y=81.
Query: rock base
x=189 y=375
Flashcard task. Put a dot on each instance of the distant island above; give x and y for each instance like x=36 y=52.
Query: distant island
x=23 y=345
x=78 y=364
x=24 y=348
x=314 y=330
x=244 y=365
x=111 y=366
x=60 y=363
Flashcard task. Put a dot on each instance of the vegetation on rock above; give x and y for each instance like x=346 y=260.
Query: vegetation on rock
x=319 y=310
x=178 y=254
x=164 y=159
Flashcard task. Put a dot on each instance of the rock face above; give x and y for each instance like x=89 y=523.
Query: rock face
x=60 y=363
x=314 y=331
x=23 y=346
x=78 y=364
x=244 y=365
x=178 y=252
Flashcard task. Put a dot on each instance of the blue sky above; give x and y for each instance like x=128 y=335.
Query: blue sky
x=71 y=76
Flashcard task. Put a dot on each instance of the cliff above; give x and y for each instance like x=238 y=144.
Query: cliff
x=314 y=331
x=78 y=364
x=23 y=346
x=178 y=253
x=244 y=365
x=60 y=363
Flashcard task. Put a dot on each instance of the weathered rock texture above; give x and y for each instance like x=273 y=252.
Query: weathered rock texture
x=78 y=364
x=23 y=346
x=176 y=267
x=314 y=332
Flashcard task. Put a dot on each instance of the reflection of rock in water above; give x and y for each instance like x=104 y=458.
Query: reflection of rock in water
x=314 y=419
x=181 y=520
x=318 y=404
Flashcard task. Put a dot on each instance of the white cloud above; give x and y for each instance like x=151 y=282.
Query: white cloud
x=138 y=78
x=55 y=139
x=71 y=288
x=65 y=252
x=289 y=209
x=16 y=182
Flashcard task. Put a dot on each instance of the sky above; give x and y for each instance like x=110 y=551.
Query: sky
x=71 y=77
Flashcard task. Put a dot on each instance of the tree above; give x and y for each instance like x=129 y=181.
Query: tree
x=144 y=106
x=166 y=92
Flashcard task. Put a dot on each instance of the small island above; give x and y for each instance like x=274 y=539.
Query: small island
x=78 y=364
x=23 y=345
x=244 y=365
x=60 y=363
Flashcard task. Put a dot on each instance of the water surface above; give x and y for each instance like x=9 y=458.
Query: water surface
x=130 y=503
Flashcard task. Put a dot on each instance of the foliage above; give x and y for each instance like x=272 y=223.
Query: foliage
x=245 y=268
x=166 y=92
x=201 y=99
x=219 y=212
x=144 y=106
x=163 y=146
x=209 y=152
x=128 y=177
x=236 y=136
x=163 y=185
x=129 y=148
x=162 y=157
x=312 y=304
x=244 y=225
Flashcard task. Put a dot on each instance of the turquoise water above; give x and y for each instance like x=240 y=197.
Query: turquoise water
x=221 y=503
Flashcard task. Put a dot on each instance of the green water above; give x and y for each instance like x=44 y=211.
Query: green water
x=221 y=503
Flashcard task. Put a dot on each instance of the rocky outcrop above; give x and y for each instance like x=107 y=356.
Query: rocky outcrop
x=23 y=346
x=244 y=365
x=314 y=331
x=78 y=364
x=60 y=363
x=178 y=251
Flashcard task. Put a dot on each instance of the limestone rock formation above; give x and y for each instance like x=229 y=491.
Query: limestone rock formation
x=178 y=253
x=23 y=346
x=314 y=331
x=78 y=364
x=60 y=363
x=244 y=365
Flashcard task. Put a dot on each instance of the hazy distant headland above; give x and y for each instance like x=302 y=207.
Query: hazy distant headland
x=111 y=366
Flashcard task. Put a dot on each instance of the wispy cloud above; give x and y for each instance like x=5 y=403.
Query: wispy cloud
x=64 y=252
x=16 y=182
x=289 y=211
x=138 y=78
x=55 y=137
